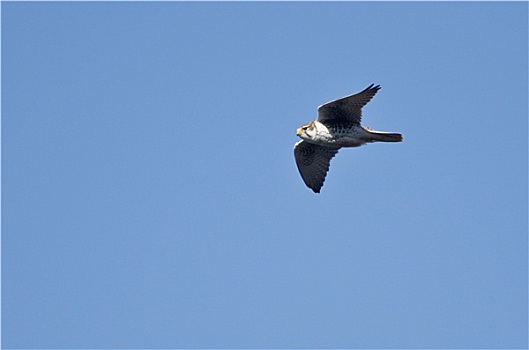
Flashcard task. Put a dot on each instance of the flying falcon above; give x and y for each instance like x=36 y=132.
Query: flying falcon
x=337 y=126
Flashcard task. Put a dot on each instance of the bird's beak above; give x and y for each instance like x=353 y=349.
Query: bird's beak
x=299 y=131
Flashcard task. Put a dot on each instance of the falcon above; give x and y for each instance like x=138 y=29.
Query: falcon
x=337 y=126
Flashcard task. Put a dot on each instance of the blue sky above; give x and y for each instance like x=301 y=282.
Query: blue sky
x=150 y=197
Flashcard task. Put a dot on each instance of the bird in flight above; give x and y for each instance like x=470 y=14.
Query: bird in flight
x=337 y=126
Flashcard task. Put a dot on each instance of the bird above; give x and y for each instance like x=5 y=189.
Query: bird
x=338 y=125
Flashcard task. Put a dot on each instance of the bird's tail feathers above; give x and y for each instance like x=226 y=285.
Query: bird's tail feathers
x=385 y=136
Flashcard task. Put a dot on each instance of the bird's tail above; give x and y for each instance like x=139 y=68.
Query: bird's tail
x=385 y=136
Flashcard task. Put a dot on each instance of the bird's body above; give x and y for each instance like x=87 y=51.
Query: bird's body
x=337 y=126
x=345 y=136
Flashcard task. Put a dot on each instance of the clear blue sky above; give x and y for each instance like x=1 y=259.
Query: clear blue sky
x=150 y=197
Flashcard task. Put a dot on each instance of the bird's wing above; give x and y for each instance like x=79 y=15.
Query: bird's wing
x=313 y=163
x=346 y=110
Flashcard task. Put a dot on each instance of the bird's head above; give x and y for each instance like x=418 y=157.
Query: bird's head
x=307 y=131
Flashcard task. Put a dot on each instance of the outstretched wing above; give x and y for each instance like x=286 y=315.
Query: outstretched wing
x=346 y=110
x=313 y=163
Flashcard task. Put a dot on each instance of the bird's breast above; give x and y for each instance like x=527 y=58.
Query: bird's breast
x=348 y=137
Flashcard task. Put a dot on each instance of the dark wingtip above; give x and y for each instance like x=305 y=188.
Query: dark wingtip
x=315 y=189
x=373 y=87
